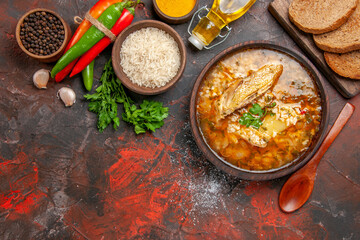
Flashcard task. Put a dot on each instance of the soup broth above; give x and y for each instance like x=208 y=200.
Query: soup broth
x=285 y=126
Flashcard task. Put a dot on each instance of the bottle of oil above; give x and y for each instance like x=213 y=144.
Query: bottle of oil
x=221 y=14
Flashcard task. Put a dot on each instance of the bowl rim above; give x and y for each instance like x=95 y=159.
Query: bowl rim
x=116 y=59
x=258 y=175
x=61 y=48
x=175 y=20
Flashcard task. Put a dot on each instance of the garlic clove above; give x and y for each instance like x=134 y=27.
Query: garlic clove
x=67 y=95
x=41 y=78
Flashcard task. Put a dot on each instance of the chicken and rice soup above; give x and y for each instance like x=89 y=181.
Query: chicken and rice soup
x=258 y=109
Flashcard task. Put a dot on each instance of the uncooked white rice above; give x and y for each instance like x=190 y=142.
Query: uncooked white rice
x=150 y=57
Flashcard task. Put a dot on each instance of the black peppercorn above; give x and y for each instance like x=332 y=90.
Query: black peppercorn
x=42 y=33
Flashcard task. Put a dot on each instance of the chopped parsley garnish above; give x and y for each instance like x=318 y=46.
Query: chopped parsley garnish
x=256 y=115
x=257 y=110
x=248 y=120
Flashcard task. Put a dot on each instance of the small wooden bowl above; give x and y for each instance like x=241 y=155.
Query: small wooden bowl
x=272 y=173
x=116 y=57
x=48 y=58
x=174 y=20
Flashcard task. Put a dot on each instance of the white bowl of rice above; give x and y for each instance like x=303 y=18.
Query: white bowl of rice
x=149 y=57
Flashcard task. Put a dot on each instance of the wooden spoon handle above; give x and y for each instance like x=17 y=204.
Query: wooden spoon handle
x=340 y=122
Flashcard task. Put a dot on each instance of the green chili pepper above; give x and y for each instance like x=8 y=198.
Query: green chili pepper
x=108 y=18
x=88 y=75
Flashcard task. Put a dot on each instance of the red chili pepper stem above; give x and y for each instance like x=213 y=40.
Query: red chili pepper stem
x=95 y=11
x=108 y=18
x=124 y=21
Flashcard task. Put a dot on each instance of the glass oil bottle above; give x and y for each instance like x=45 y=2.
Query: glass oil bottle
x=220 y=15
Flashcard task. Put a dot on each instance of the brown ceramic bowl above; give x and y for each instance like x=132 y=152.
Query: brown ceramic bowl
x=116 y=57
x=273 y=173
x=48 y=58
x=174 y=20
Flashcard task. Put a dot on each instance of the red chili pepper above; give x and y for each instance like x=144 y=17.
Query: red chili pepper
x=124 y=21
x=95 y=11
x=303 y=111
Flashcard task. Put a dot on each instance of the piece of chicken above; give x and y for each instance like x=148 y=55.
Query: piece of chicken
x=284 y=116
x=243 y=91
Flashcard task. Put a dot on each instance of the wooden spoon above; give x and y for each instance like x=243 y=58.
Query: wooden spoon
x=297 y=189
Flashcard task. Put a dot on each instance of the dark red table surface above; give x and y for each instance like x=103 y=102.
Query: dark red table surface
x=62 y=179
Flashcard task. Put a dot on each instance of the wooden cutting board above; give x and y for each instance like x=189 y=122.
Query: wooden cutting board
x=280 y=10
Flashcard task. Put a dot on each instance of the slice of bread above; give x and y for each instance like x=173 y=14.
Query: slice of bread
x=320 y=16
x=346 y=64
x=344 y=39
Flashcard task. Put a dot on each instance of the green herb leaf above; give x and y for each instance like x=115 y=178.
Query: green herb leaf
x=150 y=116
x=257 y=110
x=249 y=120
x=255 y=115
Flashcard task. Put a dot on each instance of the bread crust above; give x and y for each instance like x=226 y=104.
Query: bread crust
x=344 y=39
x=301 y=12
x=346 y=65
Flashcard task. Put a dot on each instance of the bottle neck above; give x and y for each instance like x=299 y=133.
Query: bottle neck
x=216 y=19
x=230 y=10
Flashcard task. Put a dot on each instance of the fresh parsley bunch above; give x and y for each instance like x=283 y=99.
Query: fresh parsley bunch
x=149 y=117
x=103 y=102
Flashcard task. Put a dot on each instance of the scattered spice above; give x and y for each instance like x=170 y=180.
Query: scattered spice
x=176 y=8
x=42 y=33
